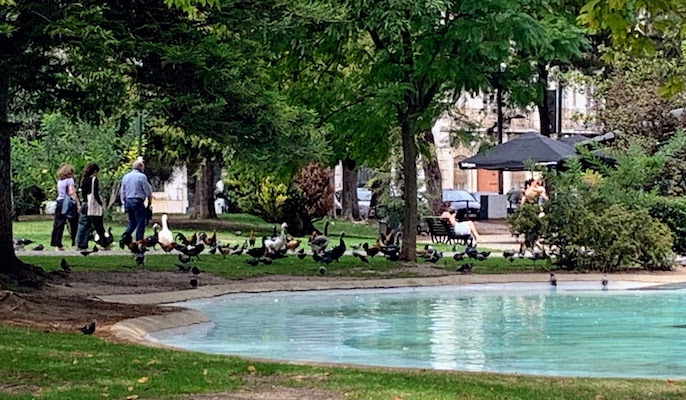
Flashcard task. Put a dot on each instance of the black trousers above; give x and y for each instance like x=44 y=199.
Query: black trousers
x=58 y=227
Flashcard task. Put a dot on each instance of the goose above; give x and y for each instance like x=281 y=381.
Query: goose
x=277 y=243
x=319 y=242
x=165 y=237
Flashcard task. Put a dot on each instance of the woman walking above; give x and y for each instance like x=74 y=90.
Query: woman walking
x=64 y=213
x=91 y=211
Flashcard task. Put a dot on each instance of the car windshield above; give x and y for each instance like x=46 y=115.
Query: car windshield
x=457 y=195
x=364 y=194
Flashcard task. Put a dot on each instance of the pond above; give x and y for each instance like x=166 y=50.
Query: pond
x=576 y=329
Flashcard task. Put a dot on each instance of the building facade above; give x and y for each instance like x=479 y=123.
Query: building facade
x=576 y=118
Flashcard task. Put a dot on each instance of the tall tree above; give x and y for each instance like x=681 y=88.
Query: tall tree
x=422 y=53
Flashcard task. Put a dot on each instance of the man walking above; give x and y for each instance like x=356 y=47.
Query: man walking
x=135 y=188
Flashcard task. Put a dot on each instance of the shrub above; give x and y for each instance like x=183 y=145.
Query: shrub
x=672 y=212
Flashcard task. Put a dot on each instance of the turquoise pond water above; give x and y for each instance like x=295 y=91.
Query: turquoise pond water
x=574 y=330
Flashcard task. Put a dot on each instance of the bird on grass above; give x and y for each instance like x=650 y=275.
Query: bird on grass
x=38 y=248
x=253 y=261
x=195 y=270
x=89 y=328
x=459 y=256
x=604 y=281
x=322 y=270
x=553 y=279
x=361 y=256
x=139 y=258
x=266 y=260
x=20 y=243
x=301 y=254
x=465 y=268
x=183 y=268
x=184 y=259
x=65 y=265
x=509 y=255
x=194 y=283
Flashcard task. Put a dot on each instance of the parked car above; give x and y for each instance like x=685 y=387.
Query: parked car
x=465 y=205
x=364 y=199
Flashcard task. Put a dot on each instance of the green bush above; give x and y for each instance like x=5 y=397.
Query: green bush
x=672 y=212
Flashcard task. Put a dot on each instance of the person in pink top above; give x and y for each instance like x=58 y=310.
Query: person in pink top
x=65 y=188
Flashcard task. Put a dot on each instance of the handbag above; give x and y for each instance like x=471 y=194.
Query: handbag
x=94 y=209
x=68 y=207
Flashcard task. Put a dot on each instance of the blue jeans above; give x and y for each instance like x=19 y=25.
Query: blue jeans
x=137 y=218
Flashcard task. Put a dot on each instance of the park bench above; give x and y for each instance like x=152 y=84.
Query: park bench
x=441 y=231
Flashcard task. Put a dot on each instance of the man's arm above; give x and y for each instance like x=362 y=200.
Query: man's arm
x=147 y=188
x=122 y=193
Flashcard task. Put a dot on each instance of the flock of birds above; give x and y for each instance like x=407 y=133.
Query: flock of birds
x=279 y=244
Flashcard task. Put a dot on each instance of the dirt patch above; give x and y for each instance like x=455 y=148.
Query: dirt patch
x=258 y=387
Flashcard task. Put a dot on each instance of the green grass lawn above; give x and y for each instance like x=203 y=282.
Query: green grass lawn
x=355 y=233
x=41 y=365
x=234 y=267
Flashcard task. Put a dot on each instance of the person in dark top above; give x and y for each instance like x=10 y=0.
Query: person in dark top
x=91 y=212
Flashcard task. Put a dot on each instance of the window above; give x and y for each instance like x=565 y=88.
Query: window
x=460 y=176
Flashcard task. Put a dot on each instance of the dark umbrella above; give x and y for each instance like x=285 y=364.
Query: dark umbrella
x=516 y=154
x=573 y=139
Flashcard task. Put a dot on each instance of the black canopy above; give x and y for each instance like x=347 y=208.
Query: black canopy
x=515 y=154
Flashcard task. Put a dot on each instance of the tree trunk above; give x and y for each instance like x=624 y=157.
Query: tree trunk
x=409 y=238
x=543 y=110
x=350 y=209
x=432 y=176
x=204 y=192
x=12 y=271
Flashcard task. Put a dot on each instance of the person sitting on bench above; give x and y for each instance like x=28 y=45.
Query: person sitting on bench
x=461 y=228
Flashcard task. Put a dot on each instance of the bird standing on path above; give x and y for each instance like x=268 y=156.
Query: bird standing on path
x=553 y=279
x=604 y=281
x=65 y=265
x=89 y=328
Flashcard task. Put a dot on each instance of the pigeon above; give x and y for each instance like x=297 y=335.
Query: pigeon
x=194 y=283
x=38 y=248
x=253 y=261
x=65 y=265
x=301 y=254
x=89 y=328
x=471 y=252
x=266 y=260
x=20 y=243
x=604 y=281
x=459 y=256
x=509 y=253
x=184 y=259
x=139 y=258
x=195 y=270
x=553 y=279
x=322 y=270
x=465 y=267
x=362 y=257
x=183 y=268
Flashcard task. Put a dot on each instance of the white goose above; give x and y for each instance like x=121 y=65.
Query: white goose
x=278 y=243
x=165 y=237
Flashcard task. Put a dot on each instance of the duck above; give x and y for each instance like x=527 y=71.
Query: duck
x=165 y=237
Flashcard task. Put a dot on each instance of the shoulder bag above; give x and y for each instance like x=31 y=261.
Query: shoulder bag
x=94 y=209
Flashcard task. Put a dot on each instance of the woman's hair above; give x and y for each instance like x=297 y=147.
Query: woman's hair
x=528 y=183
x=88 y=171
x=65 y=171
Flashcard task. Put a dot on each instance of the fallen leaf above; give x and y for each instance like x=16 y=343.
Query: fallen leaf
x=132 y=397
x=130 y=388
x=252 y=369
x=153 y=361
x=143 y=379
x=204 y=371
